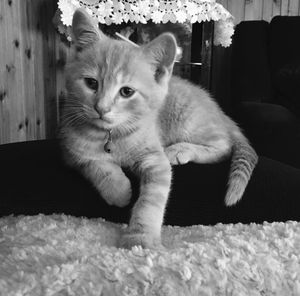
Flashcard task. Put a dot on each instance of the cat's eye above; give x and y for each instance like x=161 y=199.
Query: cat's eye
x=126 y=92
x=91 y=83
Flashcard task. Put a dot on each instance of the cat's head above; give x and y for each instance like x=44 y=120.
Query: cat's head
x=112 y=82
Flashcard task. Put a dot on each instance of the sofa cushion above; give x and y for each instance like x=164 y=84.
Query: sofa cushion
x=273 y=130
x=285 y=61
x=251 y=79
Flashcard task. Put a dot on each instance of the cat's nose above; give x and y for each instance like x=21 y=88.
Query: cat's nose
x=102 y=110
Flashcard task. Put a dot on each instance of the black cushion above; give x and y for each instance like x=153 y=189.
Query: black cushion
x=35 y=180
x=250 y=63
x=285 y=61
x=265 y=85
x=273 y=130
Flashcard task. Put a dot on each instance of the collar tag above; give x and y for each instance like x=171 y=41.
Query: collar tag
x=108 y=144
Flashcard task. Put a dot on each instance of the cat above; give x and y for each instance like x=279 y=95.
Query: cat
x=124 y=109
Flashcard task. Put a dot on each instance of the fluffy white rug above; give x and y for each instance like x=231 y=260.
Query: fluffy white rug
x=63 y=255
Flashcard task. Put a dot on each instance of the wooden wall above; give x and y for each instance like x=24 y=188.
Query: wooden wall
x=32 y=57
x=260 y=9
x=27 y=70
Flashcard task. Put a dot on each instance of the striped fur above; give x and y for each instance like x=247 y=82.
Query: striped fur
x=167 y=121
x=244 y=160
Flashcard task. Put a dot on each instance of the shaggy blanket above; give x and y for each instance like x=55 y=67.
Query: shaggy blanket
x=64 y=255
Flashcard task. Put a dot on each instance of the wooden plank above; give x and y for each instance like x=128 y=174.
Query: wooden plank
x=2 y=91
x=268 y=10
x=13 y=74
x=4 y=115
x=22 y=73
x=249 y=10
x=6 y=103
x=293 y=7
x=27 y=37
x=253 y=10
x=46 y=12
x=284 y=9
x=19 y=127
x=237 y=9
x=38 y=49
x=276 y=10
x=63 y=52
x=38 y=67
x=258 y=9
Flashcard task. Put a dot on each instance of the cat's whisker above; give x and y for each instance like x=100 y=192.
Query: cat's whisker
x=70 y=118
x=77 y=105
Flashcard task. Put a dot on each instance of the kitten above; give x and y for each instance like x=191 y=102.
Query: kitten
x=124 y=109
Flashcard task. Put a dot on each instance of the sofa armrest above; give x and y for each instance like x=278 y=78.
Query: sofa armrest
x=273 y=130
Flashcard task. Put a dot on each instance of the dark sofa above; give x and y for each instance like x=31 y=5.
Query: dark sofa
x=34 y=179
x=265 y=85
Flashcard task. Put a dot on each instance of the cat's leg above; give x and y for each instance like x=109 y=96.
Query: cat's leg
x=110 y=181
x=147 y=215
x=182 y=153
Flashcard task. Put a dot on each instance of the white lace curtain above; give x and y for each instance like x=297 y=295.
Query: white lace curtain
x=159 y=11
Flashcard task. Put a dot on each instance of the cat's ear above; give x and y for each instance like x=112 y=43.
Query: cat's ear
x=85 y=29
x=162 y=52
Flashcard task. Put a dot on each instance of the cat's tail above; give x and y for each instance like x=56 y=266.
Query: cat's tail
x=244 y=160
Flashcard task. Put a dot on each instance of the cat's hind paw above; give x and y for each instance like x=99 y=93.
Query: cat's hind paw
x=178 y=154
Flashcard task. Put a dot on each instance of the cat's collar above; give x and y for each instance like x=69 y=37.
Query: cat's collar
x=108 y=143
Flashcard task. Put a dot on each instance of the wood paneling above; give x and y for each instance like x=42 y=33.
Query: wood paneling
x=32 y=57
x=267 y=11
x=284 y=7
x=27 y=70
x=237 y=9
x=293 y=7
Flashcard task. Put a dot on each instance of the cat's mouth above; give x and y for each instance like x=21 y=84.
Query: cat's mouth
x=105 y=123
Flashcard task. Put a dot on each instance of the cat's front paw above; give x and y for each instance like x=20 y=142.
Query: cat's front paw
x=146 y=241
x=177 y=154
x=116 y=191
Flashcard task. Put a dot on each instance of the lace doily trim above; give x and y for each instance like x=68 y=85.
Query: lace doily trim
x=140 y=11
